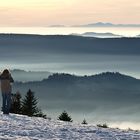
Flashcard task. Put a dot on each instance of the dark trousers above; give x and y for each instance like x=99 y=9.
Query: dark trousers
x=6 y=104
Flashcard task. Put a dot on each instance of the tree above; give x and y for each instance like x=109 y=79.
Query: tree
x=29 y=105
x=16 y=103
x=103 y=126
x=84 y=122
x=65 y=117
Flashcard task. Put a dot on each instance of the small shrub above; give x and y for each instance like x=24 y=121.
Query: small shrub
x=84 y=122
x=65 y=117
x=103 y=126
x=129 y=129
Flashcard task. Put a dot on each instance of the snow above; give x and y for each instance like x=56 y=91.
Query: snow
x=19 y=127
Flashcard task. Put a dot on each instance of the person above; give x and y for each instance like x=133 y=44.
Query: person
x=6 y=89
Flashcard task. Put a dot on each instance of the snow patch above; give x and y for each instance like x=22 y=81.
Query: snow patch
x=19 y=127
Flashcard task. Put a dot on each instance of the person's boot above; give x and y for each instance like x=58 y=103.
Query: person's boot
x=6 y=111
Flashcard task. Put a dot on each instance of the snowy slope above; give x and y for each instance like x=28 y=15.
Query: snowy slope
x=18 y=127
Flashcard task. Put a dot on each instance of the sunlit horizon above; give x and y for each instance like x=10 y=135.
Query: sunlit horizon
x=61 y=12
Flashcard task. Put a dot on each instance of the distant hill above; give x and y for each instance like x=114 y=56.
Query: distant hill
x=25 y=76
x=96 y=89
x=57 y=26
x=39 y=48
x=102 y=77
x=101 y=24
x=98 y=35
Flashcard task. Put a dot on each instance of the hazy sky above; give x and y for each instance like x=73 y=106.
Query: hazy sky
x=68 y=12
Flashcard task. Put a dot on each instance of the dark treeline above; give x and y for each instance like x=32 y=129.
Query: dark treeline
x=67 y=44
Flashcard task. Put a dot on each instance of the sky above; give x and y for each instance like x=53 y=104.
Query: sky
x=67 y=12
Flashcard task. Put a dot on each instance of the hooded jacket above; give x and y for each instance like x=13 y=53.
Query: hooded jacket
x=6 y=81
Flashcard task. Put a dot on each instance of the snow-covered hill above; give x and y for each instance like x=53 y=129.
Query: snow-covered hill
x=18 y=127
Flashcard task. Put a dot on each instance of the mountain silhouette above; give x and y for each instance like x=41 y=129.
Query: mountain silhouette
x=102 y=24
x=98 y=35
x=109 y=84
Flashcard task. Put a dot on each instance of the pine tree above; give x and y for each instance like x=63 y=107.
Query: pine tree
x=103 y=126
x=65 y=117
x=84 y=122
x=29 y=105
x=16 y=103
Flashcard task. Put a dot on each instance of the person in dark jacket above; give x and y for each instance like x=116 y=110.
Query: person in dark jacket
x=6 y=89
